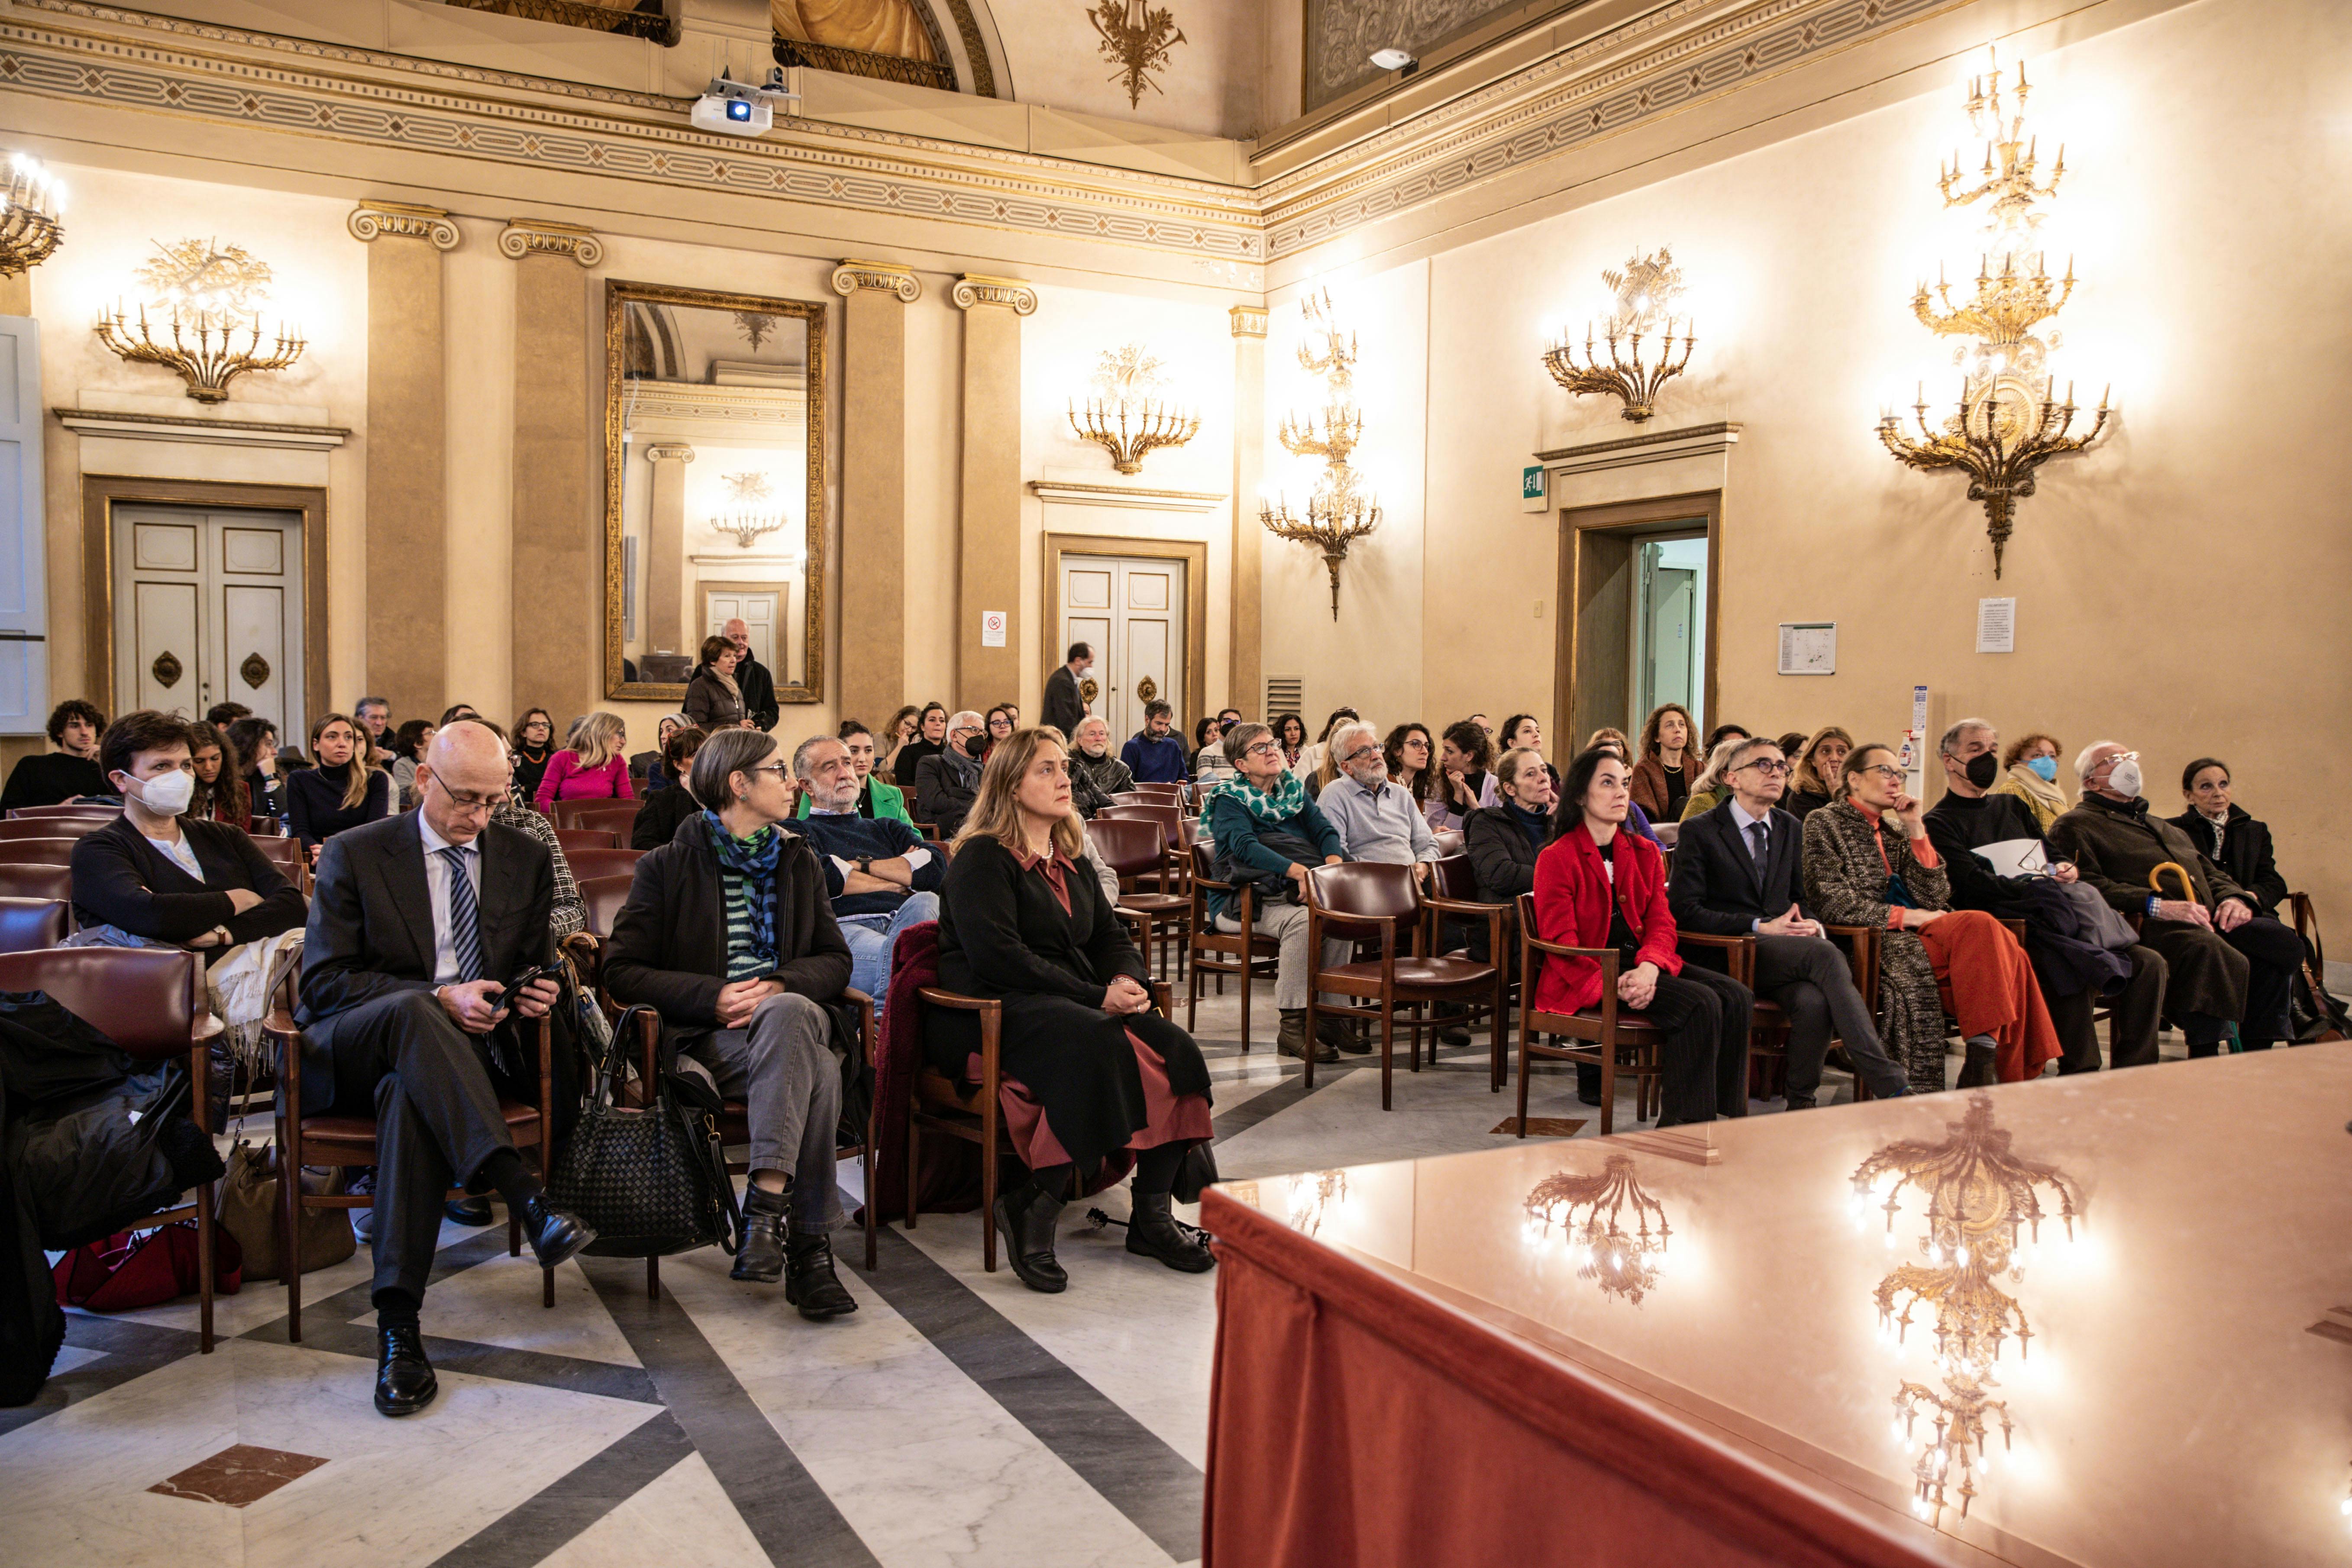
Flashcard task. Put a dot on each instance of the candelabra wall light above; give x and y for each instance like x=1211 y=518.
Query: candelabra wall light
x=749 y=516
x=1620 y=1261
x=1138 y=39
x=2006 y=425
x=1341 y=510
x=1983 y=1205
x=31 y=231
x=1124 y=418
x=1645 y=293
x=208 y=295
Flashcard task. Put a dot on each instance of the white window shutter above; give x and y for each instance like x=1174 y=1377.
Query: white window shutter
x=24 y=525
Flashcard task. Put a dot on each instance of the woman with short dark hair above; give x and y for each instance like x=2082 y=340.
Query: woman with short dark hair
x=408 y=743
x=256 y=740
x=713 y=700
x=657 y=820
x=2227 y=835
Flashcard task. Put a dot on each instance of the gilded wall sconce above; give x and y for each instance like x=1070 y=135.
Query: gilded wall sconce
x=31 y=231
x=208 y=295
x=2010 y=420
x=1341 y=510
x=1124 y=418
x=1646 y=291
x=1138 y=39
x=1616 y=1232
x=749 y=516
x=1983 y=1205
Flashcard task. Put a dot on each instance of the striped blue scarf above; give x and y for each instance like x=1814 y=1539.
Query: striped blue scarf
x=753 y=861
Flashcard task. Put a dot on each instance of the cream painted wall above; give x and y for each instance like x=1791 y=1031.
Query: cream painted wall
x=934 y=451
x=1210 y=85
x=478 y=305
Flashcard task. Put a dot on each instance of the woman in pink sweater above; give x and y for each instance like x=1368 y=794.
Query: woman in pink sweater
x=595 y=766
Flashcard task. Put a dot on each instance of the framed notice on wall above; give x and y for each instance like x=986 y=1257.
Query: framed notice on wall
x=1809 y=647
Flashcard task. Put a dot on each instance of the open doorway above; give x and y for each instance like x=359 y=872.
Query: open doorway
x=1640 y=583
x=1669 y=617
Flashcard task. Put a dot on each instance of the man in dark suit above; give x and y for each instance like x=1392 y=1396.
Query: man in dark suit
x=1064 y=703
x=1738 y=872
x=417 y=923
x=752 y=679
x=946 y=784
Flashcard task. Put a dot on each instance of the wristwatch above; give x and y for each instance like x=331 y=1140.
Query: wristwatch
x=866 y=864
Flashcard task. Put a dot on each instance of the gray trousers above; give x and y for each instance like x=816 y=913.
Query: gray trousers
x=1810 y=981
x=782 y=1067
x=1286 y=923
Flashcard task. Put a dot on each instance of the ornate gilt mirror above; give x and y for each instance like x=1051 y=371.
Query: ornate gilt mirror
x=714 y=486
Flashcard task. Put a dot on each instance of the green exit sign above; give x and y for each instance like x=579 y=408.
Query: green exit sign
x=1532 y=490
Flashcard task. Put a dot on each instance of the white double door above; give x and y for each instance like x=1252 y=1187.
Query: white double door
x=208 y=608
x=1131 y=611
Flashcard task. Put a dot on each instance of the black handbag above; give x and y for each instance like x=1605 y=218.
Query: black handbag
x=652 y=1179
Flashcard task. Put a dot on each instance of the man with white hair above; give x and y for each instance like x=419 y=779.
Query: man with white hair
x=880 y=877
x=946 y=784
x=1096 y=775
x=752 y=679
x=2229 y=964
x=1376 y=816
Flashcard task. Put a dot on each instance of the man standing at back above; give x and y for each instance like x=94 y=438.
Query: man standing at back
x=417 y=923
x=752 y=679
x=1064 y=703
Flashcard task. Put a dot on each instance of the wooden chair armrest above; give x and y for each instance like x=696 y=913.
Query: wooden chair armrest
x=1558 y=950
x=1161 y=996
x=583 y=942
x=1462 y=906
x=1714 y=939
x=961 y=1003
x=2016 y=928
x=205 y=1027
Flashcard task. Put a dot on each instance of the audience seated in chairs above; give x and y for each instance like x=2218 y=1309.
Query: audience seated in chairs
x=1598 y=885
x=657 y=819
x=1661 y=773
x=947 y=780
x=1967 y=819
x=66 y=773
x=2225 y=834
x=1091 y=1070
x=1411 y=756
x=882 y=876
x=341 y=793
x=877 y=799
x=418 y=1036
x=2231 y=964
x=2030 y=772
x=1738 y=872
x=1095 y=776
x=1268 y=833
x=1209 y=762
x=532 y=741
x=1814 y=781
x=595 y=766
x=221 y=794
x=1868 y=862
x=256 y=740
x=929 y=740
x=728 y=934
x=1154 y=754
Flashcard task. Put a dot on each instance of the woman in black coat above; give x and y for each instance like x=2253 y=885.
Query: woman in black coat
x=1503 y=840
x=2238 y=843
x=1091 y=1070
x=664 y=809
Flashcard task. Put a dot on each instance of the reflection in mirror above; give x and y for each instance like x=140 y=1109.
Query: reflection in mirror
x=715 y=486
x=1616 y=1232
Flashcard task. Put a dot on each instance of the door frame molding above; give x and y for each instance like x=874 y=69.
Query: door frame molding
x=1193 y=552
x=1628 y=518
x=101 y=493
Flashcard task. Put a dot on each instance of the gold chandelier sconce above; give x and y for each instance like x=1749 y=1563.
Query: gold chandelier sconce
x=1983 y=1208
x=1138 y=39
x=1615 y=1231
x=1124 y=418
x=31 y=231
x=1341 y=510
x=208 y=296
x=750 y=519
x=1645 y=293
x=2010 y=419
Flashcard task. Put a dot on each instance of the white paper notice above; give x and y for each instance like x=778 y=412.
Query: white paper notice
x=1996 y=625
x=2014 y=857
x=1809 y=647
x=992 y=628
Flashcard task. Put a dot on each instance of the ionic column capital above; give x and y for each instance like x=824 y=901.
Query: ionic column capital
x=884 y=277
x=525 y=237
x=1249 y=320
x=1013 y=294
x=371 y=221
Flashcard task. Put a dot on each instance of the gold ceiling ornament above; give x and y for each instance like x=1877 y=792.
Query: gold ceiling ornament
x=749 y=517
x=2010 y=420
x=1645 y=293
x=1138 y=39
x=1982 y=1206
x=1341 y=510
x=30 y=230
x=1622 y=1262
x=208 y=295
x=1124 y=418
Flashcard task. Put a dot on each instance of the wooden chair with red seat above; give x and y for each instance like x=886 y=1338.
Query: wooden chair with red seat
x=263 y=827
x=1451 y=841
x=1249 y=955
x=1611 y=1036
x=150 y=1002
x=50 y=851
x=1134 y=850
x=575 y=839
x=28 y=924
x=330 y=1139
x=938 y=1103
x=64 y=808
x=1364 y=899
x=592 y=863
x=54 y=826
x=288 y=857
x=1455 y=883
x=621 y=814
x=37 y=880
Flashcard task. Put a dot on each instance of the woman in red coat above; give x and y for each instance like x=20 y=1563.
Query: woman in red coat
x=1598 y=887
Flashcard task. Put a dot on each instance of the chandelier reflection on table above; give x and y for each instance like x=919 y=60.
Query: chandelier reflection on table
x=1593 y=1213
x=1339 y=510
x=208 y=294
x=1645 y=293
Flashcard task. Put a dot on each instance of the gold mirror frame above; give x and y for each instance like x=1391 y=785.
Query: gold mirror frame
x=618 y=296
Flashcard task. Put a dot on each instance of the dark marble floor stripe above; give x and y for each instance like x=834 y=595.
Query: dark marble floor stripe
x=1155 y=1487
x=543 y=1523
x=571 y=1374
x=132 y=1349
x=352 y=1300
x=786 y=1511
x=1280 y=1097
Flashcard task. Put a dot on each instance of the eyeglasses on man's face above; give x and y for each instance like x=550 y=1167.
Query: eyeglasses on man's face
x=1359 y=753
x=1890 y=774
x=1770 y=767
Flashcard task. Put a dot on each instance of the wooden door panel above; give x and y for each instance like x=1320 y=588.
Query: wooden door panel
x=165 y=639
x=252 y=650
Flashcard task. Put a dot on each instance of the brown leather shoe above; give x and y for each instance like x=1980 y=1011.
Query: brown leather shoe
x=1290 y=1039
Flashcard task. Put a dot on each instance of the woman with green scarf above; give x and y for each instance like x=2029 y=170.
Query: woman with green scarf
x=1267 y=833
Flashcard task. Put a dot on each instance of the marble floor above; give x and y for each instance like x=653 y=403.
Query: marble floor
x=955 y=1419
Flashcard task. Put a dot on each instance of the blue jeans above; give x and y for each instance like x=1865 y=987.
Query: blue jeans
x=873 y=938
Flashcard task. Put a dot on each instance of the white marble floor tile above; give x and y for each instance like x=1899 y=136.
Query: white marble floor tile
x=683 y=1518
x=928 y=1469
x=71 y=1356
x=496 y=1302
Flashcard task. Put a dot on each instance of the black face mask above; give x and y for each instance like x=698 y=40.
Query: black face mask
x=972 y=747
x=1981 y=770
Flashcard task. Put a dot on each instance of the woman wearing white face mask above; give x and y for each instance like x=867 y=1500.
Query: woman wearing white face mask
x=2030 y=772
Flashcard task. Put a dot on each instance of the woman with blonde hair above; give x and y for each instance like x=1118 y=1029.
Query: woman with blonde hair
x=1708 y=790
x=595 y=766
x=1813 y=779
x=2030 y=773
x=341 y=791
x=1093 y=1076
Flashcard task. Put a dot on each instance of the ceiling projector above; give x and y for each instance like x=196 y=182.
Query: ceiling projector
x=740 y=108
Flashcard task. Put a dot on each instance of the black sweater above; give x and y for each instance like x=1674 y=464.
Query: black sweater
x=2245 y=853
x=1002 y=933
x=314 y=801
x=658 y=816
x=1958 y=826
x=51 y=779
x=120 y=880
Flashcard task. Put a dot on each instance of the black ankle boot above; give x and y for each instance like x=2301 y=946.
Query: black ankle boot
x=1153 y=1232
x=1025 y=1217
x=1981 y=1070
x=761 y=1259
x=810 y=1282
